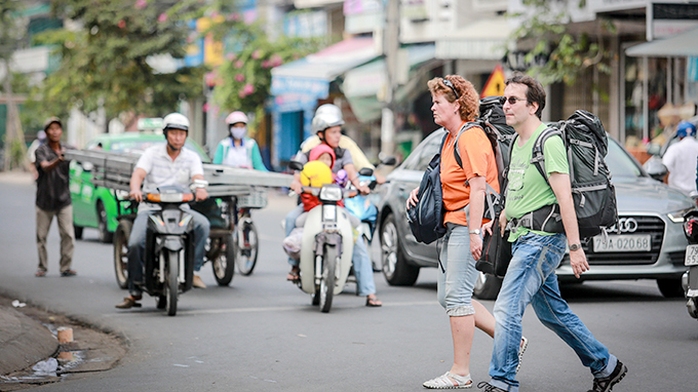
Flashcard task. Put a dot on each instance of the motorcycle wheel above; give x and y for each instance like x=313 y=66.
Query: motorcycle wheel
x=329 y=278
x=223 y=265
x=246 y=251
x=171 y=284
x=121 y=236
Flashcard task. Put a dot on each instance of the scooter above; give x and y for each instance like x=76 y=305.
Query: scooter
x=689 y=280
x=169 y=247
x=327 y=245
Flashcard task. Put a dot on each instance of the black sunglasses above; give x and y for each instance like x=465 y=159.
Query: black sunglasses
x=511 y=100
x=450 y=85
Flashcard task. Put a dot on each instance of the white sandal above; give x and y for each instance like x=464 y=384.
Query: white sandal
x=449 y=381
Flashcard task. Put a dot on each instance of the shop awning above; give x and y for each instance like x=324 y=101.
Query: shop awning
x=362 y=84
x=482 y=40
x=302 y=82
x=680 y=45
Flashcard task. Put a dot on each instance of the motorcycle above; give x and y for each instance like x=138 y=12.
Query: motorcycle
x=327 y=244
x=364 y=207
x=169 y=247
x=689 y=280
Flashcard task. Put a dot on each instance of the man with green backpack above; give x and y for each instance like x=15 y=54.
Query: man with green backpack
x=538 y=249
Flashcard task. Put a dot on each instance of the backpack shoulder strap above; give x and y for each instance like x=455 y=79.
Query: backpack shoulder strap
x=537 y=157
x=465 y=127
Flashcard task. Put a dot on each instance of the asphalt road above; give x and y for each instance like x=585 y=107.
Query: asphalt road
x=262 y=334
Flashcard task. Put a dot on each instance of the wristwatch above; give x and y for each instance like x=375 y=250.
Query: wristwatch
x=476 y=231
x=574 y=247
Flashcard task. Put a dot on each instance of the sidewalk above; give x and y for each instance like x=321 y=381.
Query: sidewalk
x=23 y=340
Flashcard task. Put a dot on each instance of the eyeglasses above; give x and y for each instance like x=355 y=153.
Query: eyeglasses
x=450 y=85
x=511 y=100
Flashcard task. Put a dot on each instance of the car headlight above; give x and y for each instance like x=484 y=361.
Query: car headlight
x=677 y=216
x=330 y=193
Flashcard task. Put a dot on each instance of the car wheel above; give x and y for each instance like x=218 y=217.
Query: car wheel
x=670 y=288
x=78 y=232
x=104 y=235
x=396 y=269
x=487 y=286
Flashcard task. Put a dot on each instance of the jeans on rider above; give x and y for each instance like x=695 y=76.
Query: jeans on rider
x=290 y=225
x=136 y=247
x=531 y=278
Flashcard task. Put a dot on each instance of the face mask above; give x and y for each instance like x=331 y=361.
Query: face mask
x=238 y=133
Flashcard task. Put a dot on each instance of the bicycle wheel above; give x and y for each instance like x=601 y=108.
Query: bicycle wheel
x=246 y=246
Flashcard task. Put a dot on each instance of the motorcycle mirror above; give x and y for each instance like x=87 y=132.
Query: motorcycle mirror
x=389 y=161
x=295 y=165
x=365 y=171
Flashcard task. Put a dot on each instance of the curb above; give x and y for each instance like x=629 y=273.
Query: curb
x=23 y=341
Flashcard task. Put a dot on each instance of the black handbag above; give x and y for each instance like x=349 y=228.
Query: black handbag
x=496 y=252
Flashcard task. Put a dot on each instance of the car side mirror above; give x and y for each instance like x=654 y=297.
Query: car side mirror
x=655 y=168
x=295 y=165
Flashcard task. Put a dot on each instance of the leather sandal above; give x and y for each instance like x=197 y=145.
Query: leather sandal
x=128 y=303
x=294 y=275
x=373 y=302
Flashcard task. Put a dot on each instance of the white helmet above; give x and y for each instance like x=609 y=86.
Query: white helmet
x=326 y=116
x=175 y=121
x=236 y=117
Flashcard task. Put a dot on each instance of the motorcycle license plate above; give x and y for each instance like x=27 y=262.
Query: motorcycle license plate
x=691 y=255
x=623 y=243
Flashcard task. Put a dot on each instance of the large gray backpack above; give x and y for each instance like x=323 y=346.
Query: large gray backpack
x=594 y=196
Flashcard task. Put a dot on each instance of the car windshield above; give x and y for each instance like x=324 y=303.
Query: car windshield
x=620 y=163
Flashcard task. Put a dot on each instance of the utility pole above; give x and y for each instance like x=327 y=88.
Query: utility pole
x=391 y=45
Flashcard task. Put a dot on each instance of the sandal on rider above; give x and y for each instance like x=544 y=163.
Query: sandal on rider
x=449 y=381
x=129 y=302
x=294 y=275
x=373 y=302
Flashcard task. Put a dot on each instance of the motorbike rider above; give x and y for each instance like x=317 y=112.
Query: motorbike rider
x=345 y=142
x=327 y=126
x=238 y=150
x=161 y=165
x=682 y=176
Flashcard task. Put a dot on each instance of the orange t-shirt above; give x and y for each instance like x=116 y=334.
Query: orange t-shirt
x=478 y=160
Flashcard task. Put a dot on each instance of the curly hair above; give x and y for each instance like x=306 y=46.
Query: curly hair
x=468 y=97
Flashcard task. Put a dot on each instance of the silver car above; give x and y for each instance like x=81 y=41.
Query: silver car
x=647 y=242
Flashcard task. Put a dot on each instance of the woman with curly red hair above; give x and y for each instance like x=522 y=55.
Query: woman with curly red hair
x=455 y=104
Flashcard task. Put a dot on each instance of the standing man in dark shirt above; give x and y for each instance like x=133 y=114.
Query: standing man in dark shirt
x=53 y=198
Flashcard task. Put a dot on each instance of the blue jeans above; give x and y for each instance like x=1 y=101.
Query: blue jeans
x=531 y=279
x=136 y=247
x=455 y=285
x=291 y=224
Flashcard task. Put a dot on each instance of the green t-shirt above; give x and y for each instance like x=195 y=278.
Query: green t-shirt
x=527 y=190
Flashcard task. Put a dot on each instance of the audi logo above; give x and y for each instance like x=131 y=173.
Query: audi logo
x=624 y=225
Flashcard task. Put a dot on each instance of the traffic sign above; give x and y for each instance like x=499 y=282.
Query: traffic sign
x=495 y=84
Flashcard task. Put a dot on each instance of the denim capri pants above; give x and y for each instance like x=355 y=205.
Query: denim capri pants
x=455 y=285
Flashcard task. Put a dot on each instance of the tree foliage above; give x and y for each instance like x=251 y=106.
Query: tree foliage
x=243 y=81
x=104 y=60
x=566 y=55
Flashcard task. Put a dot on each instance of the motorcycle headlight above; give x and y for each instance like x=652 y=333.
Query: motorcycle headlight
x=677 y=216
x=330 y=193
